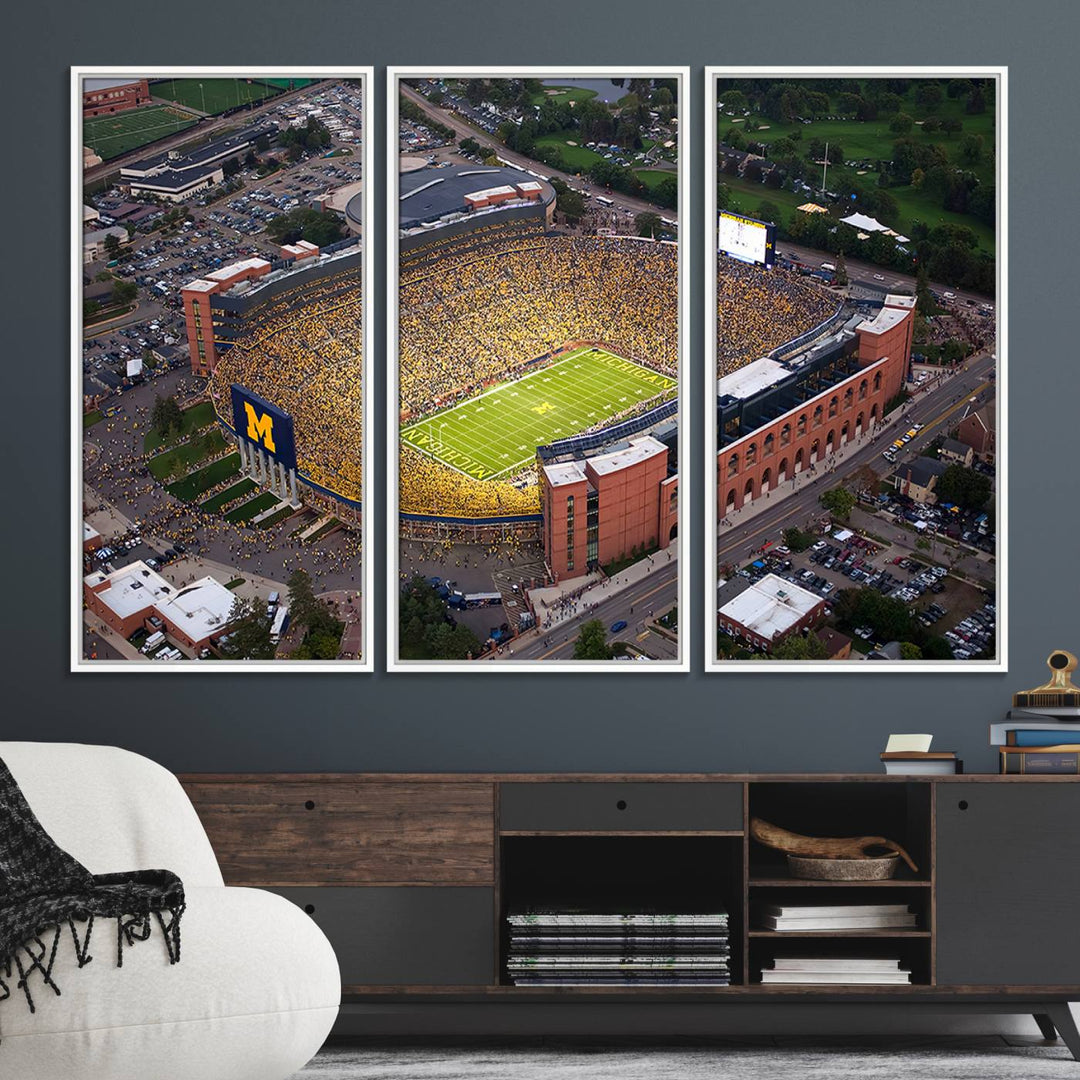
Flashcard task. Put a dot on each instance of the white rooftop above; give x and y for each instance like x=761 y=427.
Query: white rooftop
x=566 y=472
x=771 y=606
x=749 y=380
x=529 y=185
x=201 y=285
x=131 y=589
x=235 y=268
x=900 y=301
x=487 y=193
x=200 y=609
x=639 y=450
x=88 y=531
x=885 y=319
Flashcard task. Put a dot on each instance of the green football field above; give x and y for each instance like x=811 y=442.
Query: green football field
x=213 y=96
x=497 y=433
x=111 y=136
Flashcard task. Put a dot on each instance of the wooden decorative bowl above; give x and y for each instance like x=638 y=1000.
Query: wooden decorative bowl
x=878 y=868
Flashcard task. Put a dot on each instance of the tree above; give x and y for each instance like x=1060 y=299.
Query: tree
x=839 y=502
x=910 y=651
x=124 y=292
x=925 y=304
x=248 y=631
x=769 y=211
x=303 y=603
x=901 y=123
x=262 y=143
x=928 y=95
x=648 y=224
x=591 y=643
x=841 y=277
x=963 y=486
x=230 y=167
x=166 y=416
x=971 y=148
x=112 y=246
x=797 y=647
x=798 y=539
x=303 y=223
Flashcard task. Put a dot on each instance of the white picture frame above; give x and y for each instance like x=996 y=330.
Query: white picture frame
x=77 y=663
x=686 y=216
x=713 y=665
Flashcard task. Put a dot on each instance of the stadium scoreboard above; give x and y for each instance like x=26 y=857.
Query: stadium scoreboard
x=747 y=239
x=264 y=425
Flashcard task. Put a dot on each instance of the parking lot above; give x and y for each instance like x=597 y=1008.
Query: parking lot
x=217 y=231
x=946 y=606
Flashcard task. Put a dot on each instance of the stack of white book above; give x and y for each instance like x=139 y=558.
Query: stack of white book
x=837 y=917
x=836 y=969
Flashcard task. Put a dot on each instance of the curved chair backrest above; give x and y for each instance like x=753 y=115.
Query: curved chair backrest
x=112 y=809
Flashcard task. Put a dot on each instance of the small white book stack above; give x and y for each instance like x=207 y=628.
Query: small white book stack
x=796 y=917
x=837 y=970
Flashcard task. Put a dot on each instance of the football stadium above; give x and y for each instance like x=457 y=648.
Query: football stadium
x=293 y=336
x=515 y=339
x=800 y=371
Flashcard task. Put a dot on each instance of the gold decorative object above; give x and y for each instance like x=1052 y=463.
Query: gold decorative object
x=1059 y=692
x=822 y=847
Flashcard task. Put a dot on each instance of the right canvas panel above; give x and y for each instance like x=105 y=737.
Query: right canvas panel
x=855 y=419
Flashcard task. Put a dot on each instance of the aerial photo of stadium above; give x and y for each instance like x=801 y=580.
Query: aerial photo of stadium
x=539 y=343
x=221 y=362
x=857 y=359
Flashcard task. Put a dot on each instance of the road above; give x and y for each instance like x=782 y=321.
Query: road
x=204 y=129
x=862 y=274
x=934 y=408
x=464 y=130
x=656 y=593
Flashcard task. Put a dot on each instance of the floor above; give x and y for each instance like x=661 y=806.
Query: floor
x=861 y=1058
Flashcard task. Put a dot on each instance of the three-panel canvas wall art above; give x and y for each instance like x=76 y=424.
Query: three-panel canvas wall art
x=538 y=373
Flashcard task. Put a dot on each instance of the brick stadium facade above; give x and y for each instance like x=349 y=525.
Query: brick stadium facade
x=601 y=508
x=757 y=462
x=105 y=100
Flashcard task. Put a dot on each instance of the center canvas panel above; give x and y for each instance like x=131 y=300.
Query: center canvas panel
x=536 y=305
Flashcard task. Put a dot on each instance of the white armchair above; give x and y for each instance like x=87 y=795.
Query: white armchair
x=257 y=988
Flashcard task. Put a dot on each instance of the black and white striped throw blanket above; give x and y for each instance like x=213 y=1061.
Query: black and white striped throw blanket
x=47 y=896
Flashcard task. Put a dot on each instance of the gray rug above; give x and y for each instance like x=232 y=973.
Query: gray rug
x=887 y=1061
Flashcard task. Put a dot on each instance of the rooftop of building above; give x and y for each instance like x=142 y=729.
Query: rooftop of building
x=922 y=470
x=752 y=378
x=884 y=320
x=427 y=195
x=199 y=610
x=564 y=472
x=638 y=449
x=770 y=607
x=232 y=142
x=89 y=85
x=130 y=589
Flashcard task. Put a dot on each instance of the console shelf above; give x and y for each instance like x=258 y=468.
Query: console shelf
x=411 y=876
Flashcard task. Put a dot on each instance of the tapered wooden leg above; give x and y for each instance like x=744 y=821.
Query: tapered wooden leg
x=1046 y=1026
x=1062 y=1018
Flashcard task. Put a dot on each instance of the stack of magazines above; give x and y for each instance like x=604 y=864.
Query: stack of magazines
x=840 y=970
x=579 y=948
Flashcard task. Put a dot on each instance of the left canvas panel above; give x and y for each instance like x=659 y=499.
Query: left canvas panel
x=220 y=333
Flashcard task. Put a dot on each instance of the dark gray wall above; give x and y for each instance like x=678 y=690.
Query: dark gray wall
x=552 y=721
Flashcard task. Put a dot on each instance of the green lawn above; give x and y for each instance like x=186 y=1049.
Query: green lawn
x=213 y=96
x=747 y=196
x=497 y=433
x=234 y=491
x=194 y=485
x=111 y=136
x=563 y=94
x=188 y=454
x=576 y=157
x=274 y=519
x=91 y=418
x=872 y=140
x=652 y=178
x=246 y=511
x=195 y=419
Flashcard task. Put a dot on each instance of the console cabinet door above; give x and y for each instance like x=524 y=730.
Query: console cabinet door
x=1008 y=884
x=406 y=936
